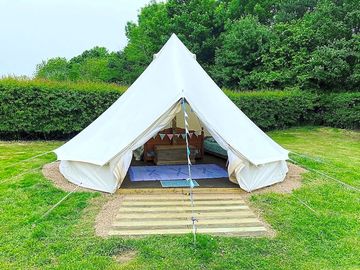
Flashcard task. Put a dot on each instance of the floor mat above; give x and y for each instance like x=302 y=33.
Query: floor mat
x=176 y=172
x=177 y=183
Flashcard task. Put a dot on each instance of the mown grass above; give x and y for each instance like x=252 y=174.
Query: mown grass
x=328 y=238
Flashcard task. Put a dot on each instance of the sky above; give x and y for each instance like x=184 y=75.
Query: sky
x=36 y=30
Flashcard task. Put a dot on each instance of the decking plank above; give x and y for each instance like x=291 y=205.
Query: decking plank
x=185 y=222
x=188 y=230
x=182 y=202
x=182 y=215
x=185 y=208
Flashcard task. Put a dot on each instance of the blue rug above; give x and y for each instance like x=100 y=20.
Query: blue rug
x=176 y=172
x=177 y=183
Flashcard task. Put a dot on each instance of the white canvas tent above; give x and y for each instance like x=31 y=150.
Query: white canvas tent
x=100 y=155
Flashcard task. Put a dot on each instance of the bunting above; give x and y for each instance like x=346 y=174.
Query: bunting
x=178 y=135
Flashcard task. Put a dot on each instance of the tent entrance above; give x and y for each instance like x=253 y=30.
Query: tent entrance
x=222 y=182
x=163 y=160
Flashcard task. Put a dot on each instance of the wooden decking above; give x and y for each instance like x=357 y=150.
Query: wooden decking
x=164 y=211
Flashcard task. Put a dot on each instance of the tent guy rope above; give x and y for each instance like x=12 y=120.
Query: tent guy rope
x=306 y=205
x=325 y=175
x=191 y=183
x=57 y=204
x=6 y=180
x=28 y=159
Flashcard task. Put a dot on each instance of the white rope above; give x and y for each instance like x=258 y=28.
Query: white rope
x=35 y=169
x=311 y=158
x=328 y=176
x=305 y=204
x=6 y=180
x=316 y=160
x=58 y=203
x=18 y=175
x=52 y=208
x=193 y=219
x=30 y=158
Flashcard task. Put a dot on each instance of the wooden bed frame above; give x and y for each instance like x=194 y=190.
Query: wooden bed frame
x=195 y=141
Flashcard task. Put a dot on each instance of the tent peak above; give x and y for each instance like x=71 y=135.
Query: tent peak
x=174 y=44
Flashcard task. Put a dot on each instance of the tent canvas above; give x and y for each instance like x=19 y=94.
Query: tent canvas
x=100 y=155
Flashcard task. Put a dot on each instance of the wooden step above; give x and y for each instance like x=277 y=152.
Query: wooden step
x=178 y=190
x=181 y=203
x=185 y=222
x=174 y=197
x=226 y=230
x=188 y=208
x=169 y=211
x=182 y=215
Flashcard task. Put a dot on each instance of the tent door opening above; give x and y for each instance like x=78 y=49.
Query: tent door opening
x=164 y=157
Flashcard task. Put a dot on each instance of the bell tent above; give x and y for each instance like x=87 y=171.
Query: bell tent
x=100 y=155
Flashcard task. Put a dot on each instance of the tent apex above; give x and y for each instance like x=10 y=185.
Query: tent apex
x=174 y=36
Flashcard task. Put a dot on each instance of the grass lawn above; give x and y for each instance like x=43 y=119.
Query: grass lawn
x=328 y=238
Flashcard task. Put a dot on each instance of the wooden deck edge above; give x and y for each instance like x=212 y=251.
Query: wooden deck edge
x=178 y=190
x=242 y=230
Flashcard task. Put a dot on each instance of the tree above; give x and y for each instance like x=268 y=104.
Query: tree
x=146 y=37
x=329 y=66
x=94 y=65
x=196 y=23
x=96 y=69
x=354 y=78
x=53 y=69
x=288 y=11
x=245 y=42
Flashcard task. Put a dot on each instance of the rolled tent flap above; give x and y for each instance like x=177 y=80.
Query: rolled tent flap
x=89 y=175
x=251 y=177
x=100 y=155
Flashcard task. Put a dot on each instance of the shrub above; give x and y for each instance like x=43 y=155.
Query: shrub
x=341 y=110
x=31 y=109
x=276 y=109
x=45 y=109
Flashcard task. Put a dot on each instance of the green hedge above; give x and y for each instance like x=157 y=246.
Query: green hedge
x=341 y=110
x=276 y=109
x=45 y=109
x=31 y=109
